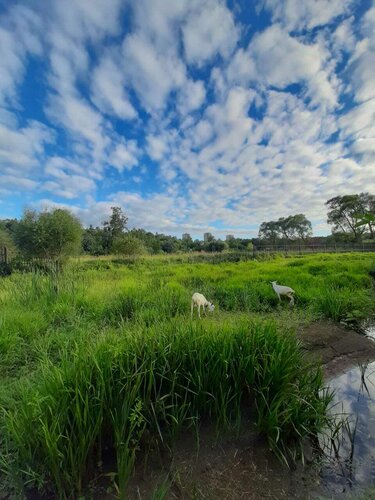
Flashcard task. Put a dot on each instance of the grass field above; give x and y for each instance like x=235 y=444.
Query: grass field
x=105 y=354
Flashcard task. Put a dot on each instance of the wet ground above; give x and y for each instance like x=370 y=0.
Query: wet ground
x=242 y=467
x=338 y=347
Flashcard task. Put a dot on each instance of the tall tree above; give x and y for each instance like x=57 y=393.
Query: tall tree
x=117 y=222
x=299 y=227
x=113 y=228
x=343 y=213
x=290 y=228
x=367 y=216
x=51 y=234
x=269 y=231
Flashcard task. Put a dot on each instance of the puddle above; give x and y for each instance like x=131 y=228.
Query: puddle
x=349 y=462
x=368 y=329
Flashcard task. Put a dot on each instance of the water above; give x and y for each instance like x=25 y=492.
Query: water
x=369 y=330
x=349 y=460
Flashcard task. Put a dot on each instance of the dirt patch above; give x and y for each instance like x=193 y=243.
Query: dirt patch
x=335 y=346
x=230 y=467
x=238 y=467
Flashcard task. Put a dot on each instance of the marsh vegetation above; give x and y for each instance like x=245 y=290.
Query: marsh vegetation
x=101 y=362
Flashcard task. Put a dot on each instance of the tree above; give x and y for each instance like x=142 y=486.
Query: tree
x=186 y=242
x=343 y=213
x=269 y=231
x=127 y=245
x=117 y=222
x=7 y=241
x=207 y=237
x=298 y=227
x=367 y=215
x=50 y=234
x=114 y=227
x=214 y=246
x=290 y=228
x=93 y=241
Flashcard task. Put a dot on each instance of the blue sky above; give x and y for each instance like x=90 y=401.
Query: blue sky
x=193 y=115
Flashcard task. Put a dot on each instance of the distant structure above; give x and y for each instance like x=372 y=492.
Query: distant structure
x=208 y=237
x=229 y=237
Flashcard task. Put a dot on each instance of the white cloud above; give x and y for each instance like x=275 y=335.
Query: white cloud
x=152 y=74
x=209 y=30
x=108 y=89
x=156 y=147
x=124 y=155
x=191 y=97
x=20 y=148
x=17 y=182
x=307 y=14
x=274 y=58
x=83 y=123
x=87 y=19
x=19 y=36
x=362 y=63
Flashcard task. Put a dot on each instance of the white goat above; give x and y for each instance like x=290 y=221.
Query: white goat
x=200 y=300
x=283 y=290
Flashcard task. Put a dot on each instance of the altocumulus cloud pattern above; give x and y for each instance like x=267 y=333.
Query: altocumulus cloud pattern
x=193 y=115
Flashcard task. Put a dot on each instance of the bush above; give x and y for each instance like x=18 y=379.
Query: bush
x=51 y=235
x=128 y=246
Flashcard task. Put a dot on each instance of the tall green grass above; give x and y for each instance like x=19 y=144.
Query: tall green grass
x=160 y=379
x=105 y=354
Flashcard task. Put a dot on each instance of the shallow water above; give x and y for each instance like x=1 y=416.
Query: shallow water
x=349 y=461
x=369 y=330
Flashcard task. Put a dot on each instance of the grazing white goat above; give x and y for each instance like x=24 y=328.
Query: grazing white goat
x=200 y=300
x=283 y=290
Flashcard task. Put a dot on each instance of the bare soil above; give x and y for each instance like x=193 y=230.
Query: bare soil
x=242 y=467
x=336 y=346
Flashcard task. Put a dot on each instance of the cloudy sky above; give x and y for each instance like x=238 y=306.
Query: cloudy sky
x=192 y=115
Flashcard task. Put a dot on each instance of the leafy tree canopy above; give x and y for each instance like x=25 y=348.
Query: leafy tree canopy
x=345 y=211
x=294 y=227
x=128 y=245
x=49 y=234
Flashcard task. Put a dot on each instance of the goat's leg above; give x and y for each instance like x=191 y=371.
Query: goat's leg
x=204 y=310
x=291 y=296
x=192 y=308
x=199 y=311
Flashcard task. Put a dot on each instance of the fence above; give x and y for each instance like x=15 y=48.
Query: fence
x=9 y=262
x=314 y=248
x=4 y=255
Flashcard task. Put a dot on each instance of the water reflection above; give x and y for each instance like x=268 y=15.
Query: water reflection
x=350 y=454
x=369 y=330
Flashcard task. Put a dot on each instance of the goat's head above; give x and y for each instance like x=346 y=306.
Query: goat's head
x=273 y=282
x=211 y=307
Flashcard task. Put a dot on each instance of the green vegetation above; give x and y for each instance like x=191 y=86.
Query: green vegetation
x=103 y=354
x=53 y=235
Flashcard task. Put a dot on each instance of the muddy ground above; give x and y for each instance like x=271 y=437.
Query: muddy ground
x=242 y=467
x=337 y=347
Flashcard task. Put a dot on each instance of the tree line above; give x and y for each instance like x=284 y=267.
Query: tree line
x=56 y=234
x=352 y=218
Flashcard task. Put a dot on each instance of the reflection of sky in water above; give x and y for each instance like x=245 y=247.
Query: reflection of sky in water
x=355 y=396
x=370 y=331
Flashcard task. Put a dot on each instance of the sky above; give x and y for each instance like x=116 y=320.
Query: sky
x=192 y=115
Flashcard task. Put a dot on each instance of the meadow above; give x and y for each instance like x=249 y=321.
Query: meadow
x=103 y=359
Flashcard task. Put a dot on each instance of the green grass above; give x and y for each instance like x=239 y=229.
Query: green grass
x=106 y=353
